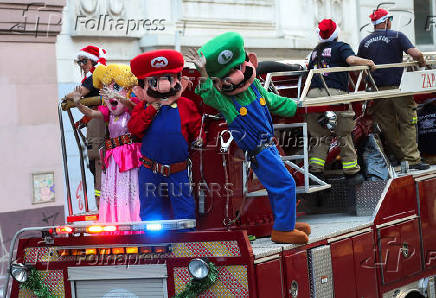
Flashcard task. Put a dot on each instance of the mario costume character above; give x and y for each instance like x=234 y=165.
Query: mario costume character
x=167 y=125
x=245 y=105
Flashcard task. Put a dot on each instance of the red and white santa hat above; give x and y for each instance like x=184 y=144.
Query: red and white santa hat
x=379 y=16
x=327 y=30
x=96 y=54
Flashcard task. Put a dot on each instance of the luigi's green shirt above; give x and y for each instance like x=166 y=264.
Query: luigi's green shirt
x=277 y=105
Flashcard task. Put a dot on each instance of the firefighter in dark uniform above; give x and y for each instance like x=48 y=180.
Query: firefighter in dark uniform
x=88 y=58
x=332 y=53
x=396 y=116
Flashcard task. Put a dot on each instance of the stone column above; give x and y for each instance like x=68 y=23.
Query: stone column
x=29 y=129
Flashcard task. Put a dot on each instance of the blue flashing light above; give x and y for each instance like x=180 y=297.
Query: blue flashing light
x=154 y=227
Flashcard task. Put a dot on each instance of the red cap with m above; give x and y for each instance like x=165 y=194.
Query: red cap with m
x=157 y=62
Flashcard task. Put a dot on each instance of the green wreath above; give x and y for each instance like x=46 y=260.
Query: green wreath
x=35 y=284
x=197 y=286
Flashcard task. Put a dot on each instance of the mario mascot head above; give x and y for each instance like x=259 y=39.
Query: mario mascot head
x=231 y=67
x=159 y=76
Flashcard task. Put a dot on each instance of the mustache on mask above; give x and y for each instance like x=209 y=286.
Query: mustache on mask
x=156 y=94
x=247 y=75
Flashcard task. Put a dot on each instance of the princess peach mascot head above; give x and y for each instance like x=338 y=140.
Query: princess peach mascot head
x=115 y=82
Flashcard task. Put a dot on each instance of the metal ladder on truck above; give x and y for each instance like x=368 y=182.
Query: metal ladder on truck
x=65 y=106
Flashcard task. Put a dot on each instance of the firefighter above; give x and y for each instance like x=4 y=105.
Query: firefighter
x=87 y=59
x=427 y=130
x=396 y=116
x=245 y=105
x=332 y=53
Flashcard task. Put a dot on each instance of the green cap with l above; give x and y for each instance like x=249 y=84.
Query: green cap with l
x=223 y=53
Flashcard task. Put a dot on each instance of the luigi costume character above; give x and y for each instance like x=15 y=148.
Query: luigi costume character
x=167 y=124
x=246 y=106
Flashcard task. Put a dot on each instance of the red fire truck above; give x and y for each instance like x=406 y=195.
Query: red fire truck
x=377 y=239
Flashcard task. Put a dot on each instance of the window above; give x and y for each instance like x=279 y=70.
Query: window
x=425 y=19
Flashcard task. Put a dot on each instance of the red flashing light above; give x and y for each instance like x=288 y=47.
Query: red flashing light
x=160 y=249
x=110 y=228
x=63 y=252
x=64 y=230
x=132 y=250
x=91 y=251
x=99 y=229
x=105 y=251
x=145 y=250
x=118 y=250
x=94 y=229
x=77 y=252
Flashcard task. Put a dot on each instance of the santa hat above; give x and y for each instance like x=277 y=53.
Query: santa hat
x=379 y=16
x=327 y=30
x=96 y=54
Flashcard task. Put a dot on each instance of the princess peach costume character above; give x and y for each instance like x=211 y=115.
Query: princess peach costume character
x=119 y=201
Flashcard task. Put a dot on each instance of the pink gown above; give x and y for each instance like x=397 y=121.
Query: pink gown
x=119 y=199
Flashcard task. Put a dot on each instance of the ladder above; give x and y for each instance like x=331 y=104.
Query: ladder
x=307 y=187
x=65 y=106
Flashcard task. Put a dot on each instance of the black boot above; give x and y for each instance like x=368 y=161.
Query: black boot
x=420 y=166
x=319 y=175
x=354 y=179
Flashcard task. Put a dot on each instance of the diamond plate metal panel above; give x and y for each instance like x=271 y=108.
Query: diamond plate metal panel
x=232 y=282
x=206 y=249
x=320 y=272
x=367 y=196
x=53 y=279
x=337 y=199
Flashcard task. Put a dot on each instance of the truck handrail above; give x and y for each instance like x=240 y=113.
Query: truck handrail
x=11 y=250
x=304 y=101
x=356 y=95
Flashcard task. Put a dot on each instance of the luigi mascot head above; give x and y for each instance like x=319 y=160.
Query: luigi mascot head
x=232 y=69
x=229 y=85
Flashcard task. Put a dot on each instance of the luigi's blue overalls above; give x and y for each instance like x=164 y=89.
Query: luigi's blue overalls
x=250 y=122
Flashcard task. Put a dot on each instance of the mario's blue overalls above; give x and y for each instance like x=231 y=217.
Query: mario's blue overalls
x=252 y=131
x=164 y=143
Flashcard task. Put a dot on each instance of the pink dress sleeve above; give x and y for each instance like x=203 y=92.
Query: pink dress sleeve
x=105 y=111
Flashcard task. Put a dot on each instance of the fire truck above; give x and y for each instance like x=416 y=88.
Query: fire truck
x=375 y=239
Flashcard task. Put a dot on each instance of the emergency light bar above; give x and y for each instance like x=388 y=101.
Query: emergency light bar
x=150 y=226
